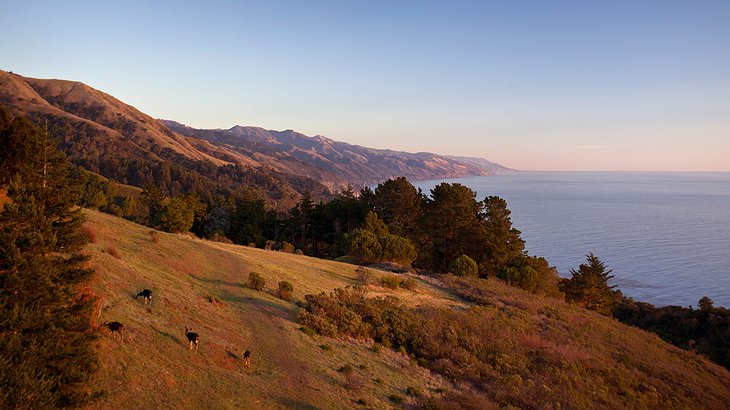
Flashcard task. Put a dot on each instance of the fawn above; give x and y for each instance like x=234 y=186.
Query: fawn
x=115 y=327
x=193 y=338
x=146 y=294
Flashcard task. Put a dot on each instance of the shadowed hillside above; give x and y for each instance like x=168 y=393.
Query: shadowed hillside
x=571 y=355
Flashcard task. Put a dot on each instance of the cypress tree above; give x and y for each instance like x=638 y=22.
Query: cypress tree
x=589 y=286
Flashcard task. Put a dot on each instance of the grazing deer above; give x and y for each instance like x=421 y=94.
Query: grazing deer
x=146 y=294
x=247 y=358
x=115 y=327
x=193 y=338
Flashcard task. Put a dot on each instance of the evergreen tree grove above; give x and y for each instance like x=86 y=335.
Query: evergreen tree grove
x=46 y=352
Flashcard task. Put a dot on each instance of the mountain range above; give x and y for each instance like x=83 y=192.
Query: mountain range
x=114 y=139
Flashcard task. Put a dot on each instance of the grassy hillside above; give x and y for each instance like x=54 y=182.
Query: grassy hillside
x=198 y=284
x=154 y=368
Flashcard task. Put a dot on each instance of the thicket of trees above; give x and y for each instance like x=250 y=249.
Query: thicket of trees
x=46 y=352
x=705 y=330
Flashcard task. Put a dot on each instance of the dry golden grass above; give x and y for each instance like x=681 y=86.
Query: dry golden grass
x=563 y=347
x=154 y=368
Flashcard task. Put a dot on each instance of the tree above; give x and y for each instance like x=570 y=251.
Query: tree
x=589 y=286
x=399 y=204
x=177 y=216
x=375 y=224
x=364 y=245
x=397 y=249
x=247 y=219
x=503 y=242
x=46 y=348
x=451 y=226
x=532 y=274
x=153 y=198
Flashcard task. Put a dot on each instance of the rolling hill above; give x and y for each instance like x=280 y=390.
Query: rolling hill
x=545 y=353
x=114 y=139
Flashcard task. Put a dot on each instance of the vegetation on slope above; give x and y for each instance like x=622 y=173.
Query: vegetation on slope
x=46 y=352
x=492 y=343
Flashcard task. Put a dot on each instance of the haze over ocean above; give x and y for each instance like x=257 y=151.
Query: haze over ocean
x=666 y=235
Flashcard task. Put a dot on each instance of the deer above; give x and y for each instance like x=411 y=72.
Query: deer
x=193 y=338
x=117 y=327
x=146 y=294
x=247 y=358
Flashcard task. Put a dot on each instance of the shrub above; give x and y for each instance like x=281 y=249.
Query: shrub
x=354 y=381
x=345 y=369
x=361 y=402
x=390 y=281
x=285 y=290
x=396 y=398
x=113 y=251
x=413 y=391
x=307 y=331
x=256 y=281
x=299 y=252
x=463 y=266
x=90 y=233
x=364 y=245
x=364 y=275
x=286 y=247
x=397 y=249
x=409 y=284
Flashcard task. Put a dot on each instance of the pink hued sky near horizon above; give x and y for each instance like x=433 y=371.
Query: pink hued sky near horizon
x=612 y=86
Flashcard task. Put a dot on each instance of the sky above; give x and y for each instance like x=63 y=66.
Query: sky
x=533 y=85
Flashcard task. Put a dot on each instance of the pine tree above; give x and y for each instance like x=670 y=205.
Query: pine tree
x=46 y=347
x=503 y=242
x=589 y=286
x=451 y=226
x=399 y=204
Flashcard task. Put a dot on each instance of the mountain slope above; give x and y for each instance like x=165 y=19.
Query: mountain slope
x=198 y=284
x=358 y=165
x=111 y=138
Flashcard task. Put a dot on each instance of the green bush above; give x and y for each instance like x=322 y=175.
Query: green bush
x=364 y=245
x=397 y=249
x=464 y=266
x=285 y=290
x=256 y=281
x=390 y=281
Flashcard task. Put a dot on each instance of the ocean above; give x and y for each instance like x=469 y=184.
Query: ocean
x=665 y=235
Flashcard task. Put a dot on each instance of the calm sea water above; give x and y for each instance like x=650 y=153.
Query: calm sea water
x=665 y=235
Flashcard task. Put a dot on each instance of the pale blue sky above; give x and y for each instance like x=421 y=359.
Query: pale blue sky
x=543 y=85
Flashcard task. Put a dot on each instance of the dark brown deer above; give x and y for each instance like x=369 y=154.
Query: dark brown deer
x=193 y=338
x=247 y=358
x=146 y=294
x=117 y=327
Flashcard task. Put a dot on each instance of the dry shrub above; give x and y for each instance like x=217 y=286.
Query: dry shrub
x=365 y=275
x=354 y=381
x=154 y=237
x=113 y=251
x=409 y=284
x=570 y=353
x=90 y=233
x=533 y=342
